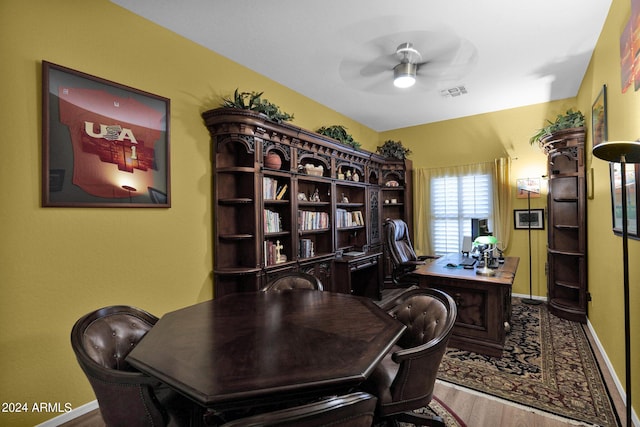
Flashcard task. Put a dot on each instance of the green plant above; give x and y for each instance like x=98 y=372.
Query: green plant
x=570 y=119
x=393 y=149
x=340 y=133
x=253 y=101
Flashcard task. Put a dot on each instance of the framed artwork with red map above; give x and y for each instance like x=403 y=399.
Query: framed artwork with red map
x=103 y=144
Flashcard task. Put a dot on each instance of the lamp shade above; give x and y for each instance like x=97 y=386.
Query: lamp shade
x=485 y=240
x=615 y=151
x=404 y=75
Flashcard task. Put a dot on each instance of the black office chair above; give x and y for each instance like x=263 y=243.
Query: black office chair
x=351 y=410
x=294 y=280
x=403 y=257
x=101 y=341
x=405 y=378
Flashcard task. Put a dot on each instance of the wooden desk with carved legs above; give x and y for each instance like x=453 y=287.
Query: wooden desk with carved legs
x=484 y=302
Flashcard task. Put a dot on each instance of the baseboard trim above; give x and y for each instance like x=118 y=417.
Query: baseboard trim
x=611 y=371
x=68 y=416
x=527 y=297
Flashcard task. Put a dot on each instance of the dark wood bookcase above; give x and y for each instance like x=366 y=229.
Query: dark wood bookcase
x=321 y=199
x=567 y=232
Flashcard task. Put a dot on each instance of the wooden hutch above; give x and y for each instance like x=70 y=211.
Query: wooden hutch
x=316 y=206
x=567 y=236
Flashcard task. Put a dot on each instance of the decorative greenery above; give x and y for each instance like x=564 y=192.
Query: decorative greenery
x=253 y=101
x=340 y=133
x=571 y=119
x=393 y=149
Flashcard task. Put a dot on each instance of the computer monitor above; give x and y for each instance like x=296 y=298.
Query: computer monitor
x=479 y=227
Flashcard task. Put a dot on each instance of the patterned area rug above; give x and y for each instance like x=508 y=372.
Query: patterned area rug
x=440 y=409
x=547 y=364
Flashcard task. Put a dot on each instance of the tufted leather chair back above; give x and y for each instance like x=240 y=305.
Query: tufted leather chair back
x=351 y=410
x=110 y=335
x=399 y=242
x=294 y=280
x=101 y=341
x=406 y=377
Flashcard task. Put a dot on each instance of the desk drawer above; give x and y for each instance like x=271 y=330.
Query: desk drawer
x=362 y=263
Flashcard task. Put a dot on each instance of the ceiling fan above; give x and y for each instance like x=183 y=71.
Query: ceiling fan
x=424 y=58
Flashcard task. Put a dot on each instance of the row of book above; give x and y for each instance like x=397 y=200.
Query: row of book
x=312 y=220
x=345 y=218
x=272 y=253
x=306 y=248
x=272 y=190
x=272 y=221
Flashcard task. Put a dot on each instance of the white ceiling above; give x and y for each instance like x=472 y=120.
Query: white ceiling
x=527 y=52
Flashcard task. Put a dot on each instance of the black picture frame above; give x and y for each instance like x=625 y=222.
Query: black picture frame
x=633 y=172
x=522 y=218
x=103 y=144
x=599 y=127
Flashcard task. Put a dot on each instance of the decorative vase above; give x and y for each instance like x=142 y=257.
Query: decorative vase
x=272 y=161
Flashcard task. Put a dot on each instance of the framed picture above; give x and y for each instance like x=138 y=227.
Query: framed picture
x=525 y=218
x=526 y=187
x=632 y=173
x=599 y=117
x=103 y=144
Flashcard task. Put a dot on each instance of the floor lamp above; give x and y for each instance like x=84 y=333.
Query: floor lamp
x=623 y=152
x=530 y=300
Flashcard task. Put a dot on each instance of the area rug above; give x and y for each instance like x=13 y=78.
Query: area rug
x=547 y=364
x=438 y=408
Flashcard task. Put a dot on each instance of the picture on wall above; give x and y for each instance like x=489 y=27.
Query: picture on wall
x=599 y=117
x=632 y=172
x=103 y=144
x=525 y=218
x=526 y=187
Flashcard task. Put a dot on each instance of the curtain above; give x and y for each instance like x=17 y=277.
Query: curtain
x=500 y=170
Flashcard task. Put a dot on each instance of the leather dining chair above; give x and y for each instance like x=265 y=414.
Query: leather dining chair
x=401 y=253
x=351 y=410
x=404 y=380
x=101 y=341
x=294 y=280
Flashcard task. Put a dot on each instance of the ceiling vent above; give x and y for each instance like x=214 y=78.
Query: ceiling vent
x=453 y=92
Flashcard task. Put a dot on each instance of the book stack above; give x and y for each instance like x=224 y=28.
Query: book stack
x=271 y=190
x=311 y=220
x=306 y=248
x=272 y=222
x=271 y=252
x=347 y=218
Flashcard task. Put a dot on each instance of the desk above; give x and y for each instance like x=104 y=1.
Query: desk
x=484 y=302
x=247 y=349
x=359 y=275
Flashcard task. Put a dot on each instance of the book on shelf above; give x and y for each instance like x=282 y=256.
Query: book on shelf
x=306 y=248
x=269 y=188
x=272 y=221
x=345 y=218
x=281 y=192
x=273 y=252
x=312 y=220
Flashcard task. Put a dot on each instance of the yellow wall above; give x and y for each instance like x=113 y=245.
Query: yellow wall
x=59 y=263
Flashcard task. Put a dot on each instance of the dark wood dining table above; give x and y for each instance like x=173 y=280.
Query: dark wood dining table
x=250 y=349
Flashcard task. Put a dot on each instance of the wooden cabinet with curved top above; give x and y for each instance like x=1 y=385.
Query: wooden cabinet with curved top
x=567 y=232
x=285 y=198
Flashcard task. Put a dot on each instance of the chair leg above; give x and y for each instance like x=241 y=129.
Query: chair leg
x=420 y=419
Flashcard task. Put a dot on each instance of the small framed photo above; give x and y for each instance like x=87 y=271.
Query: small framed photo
x=103 y=144
x=525 y=219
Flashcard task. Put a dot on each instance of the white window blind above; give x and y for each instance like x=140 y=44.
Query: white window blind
x=454 y=201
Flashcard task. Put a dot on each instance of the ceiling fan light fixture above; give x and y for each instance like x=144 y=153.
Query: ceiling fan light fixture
x=404 y=75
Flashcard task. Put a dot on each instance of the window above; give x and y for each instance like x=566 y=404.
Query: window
x=454 y=201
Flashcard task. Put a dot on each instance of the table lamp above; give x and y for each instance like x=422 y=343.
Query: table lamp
x=623 y=152
x=490 y=242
